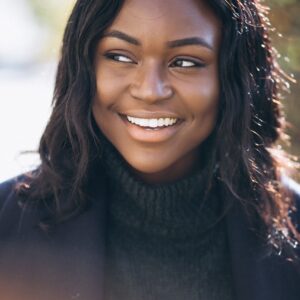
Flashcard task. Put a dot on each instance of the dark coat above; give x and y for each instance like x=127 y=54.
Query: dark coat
x=69 y=262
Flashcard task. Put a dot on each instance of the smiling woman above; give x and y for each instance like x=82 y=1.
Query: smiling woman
x=143 y=79
x=160 y=177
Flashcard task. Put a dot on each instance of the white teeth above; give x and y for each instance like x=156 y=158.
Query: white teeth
x=153 y=123
x=161 y=122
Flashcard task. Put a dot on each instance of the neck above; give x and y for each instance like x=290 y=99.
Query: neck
x=182 y=168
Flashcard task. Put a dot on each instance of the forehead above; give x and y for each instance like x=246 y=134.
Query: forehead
x=168 y=19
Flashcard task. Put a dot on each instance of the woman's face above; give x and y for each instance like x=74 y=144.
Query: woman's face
x=157 y=85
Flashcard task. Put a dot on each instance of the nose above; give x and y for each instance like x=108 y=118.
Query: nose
x=150 y=85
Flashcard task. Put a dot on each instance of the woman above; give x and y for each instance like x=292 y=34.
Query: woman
x=159 y=176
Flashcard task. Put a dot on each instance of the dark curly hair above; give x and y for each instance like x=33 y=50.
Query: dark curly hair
x=244 y=144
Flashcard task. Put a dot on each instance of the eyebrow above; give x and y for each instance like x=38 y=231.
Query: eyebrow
x=123 y=36
x=171 y=44
x=189 y=41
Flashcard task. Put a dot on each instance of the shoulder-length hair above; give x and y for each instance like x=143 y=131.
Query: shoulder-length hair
x=243 y=144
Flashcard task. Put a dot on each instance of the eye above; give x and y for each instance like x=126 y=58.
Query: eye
x=118 y=57
x=186 y=63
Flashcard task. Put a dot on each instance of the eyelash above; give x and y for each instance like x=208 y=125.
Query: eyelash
x=112 y=56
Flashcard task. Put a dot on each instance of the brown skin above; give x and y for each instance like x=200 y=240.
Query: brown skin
x=156 y=79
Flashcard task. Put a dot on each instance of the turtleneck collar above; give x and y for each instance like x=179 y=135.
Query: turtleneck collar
x=176 y=209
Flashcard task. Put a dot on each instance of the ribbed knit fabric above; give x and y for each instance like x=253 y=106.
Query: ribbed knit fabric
x=163 y=240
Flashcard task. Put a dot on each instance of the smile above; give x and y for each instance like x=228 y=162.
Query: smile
x=151 y=129
x=152 y=123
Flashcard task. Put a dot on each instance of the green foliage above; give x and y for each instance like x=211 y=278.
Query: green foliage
x=282 y=3
x=284 y=17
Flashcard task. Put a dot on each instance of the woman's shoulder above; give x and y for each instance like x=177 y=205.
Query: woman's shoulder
x=8 y=192
x=11 y=212
x=19 y=215
x=74 y=248
x=7 y=187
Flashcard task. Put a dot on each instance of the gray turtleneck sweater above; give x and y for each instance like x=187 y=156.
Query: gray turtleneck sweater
x=164 y=241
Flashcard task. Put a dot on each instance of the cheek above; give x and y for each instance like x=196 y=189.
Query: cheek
x=103 y=100
x=203 y=105
x=111 y=84
x=106 y=89
x=110 y=91
x=203 y=98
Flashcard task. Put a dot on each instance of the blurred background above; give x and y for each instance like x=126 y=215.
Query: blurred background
x=31 y=33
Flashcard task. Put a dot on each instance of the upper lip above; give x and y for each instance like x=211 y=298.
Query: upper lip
x=150 y=114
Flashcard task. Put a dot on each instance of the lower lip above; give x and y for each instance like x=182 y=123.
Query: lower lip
x=155 y=135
